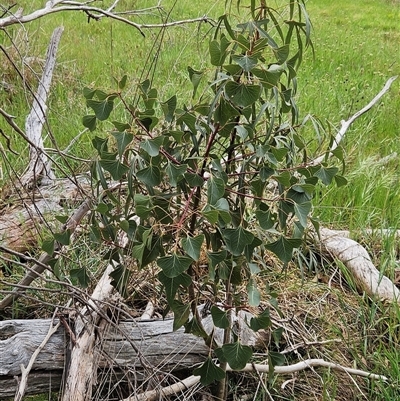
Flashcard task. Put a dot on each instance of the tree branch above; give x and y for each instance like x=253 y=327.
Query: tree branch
x=346 y=124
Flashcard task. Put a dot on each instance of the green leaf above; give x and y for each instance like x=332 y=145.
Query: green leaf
x=115 y=168
x=175 y=172
x=194 y=180
x=283 y=248
x=88 y=93
x=242 y=95
x=211 y=215
x=81 y=276
x=283 y=178
x=262 y=321
x=48 y=246
x=150 y=176
x=276 y=358
x=215 y=189
x=209 y=372
x=236 y=239
x=174 y=264
x=172 y=284
x=122 y=82
x=302 y=211
x=102 y=108
x=253 y=293
x=192 y=246
x=181 y=314
x=123 y=140
x=237 y=355
x=100 y=144
x=245 y=61
x=120 y=278
x=218 y=51
x=195 y=78
x=266 y=218
x=169 y=108
x=129 y=226
x=152 y=146
x=64 y=237
x=214 y=258
x=326 y=174
x=219 y=317
x=89 y=122
x=282 y=53
x=340 y=181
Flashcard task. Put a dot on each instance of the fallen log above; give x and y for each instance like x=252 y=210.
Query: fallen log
x=162 y=349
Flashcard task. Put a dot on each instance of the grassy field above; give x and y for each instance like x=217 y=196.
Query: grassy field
x=356 y=51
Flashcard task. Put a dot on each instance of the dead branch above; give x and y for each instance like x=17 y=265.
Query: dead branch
x=308 y=363
x=346 y=124
x=39 y=267
x=96 y=13
x=25 y=371
x=39 y=164
x=356 y=259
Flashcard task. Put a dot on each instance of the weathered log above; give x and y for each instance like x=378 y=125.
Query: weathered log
x=366 y=276
x=155 y=343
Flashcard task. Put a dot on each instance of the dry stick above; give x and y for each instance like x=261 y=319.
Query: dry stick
x=39 y=267
x=356 y=259
x=346 y=124
x=25 y=371
x=308 y=363
x=39 y=164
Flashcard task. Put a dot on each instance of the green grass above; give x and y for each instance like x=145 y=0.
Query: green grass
x=356 y=51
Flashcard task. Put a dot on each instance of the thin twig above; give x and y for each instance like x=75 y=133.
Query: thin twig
x=25 y=371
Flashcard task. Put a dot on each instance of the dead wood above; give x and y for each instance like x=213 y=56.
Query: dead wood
x=367 y=277
x=125 y=345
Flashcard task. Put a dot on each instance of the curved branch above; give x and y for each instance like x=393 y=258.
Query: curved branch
x=346 y=124
x=191 y=381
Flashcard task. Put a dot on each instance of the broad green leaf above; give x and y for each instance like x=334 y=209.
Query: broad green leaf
x=100 y=144
x=48 y=246
x=340 y=180
x=302 y=211
x=121 y=127
x=129 y=226
x=209 y=372
x=266 y=218
x=64 y=237
x=262 y=321
x=194 y=180
x=282 y=53
x=216 y=257
x=268 y=79
x=225 y=113
x=253 y=293
x=211 y=215
x=115 y=168
x=237 y=355
x=276 y=358
x=283 y=178
x=122 y=82
x=219 y=317
x=194 y=327
x=175 y=172
x=236 y=239
x=120 y=277
x=168 y=108
x=171 y=284
x=81 y=276
x=102 y=108
x=326 y=174
x=192 y=246
x=152 y=146
x=173 y=265
x=283 y=248
x=195 y=78
x=249 y=249
x=181 y=314
x=218 y=51
x=89 y=122
x=245 y=61
x=88 y=93
x=150 y=176
x=138 y=252
x=215 y=189
x=242 y=95
x=123 y=140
